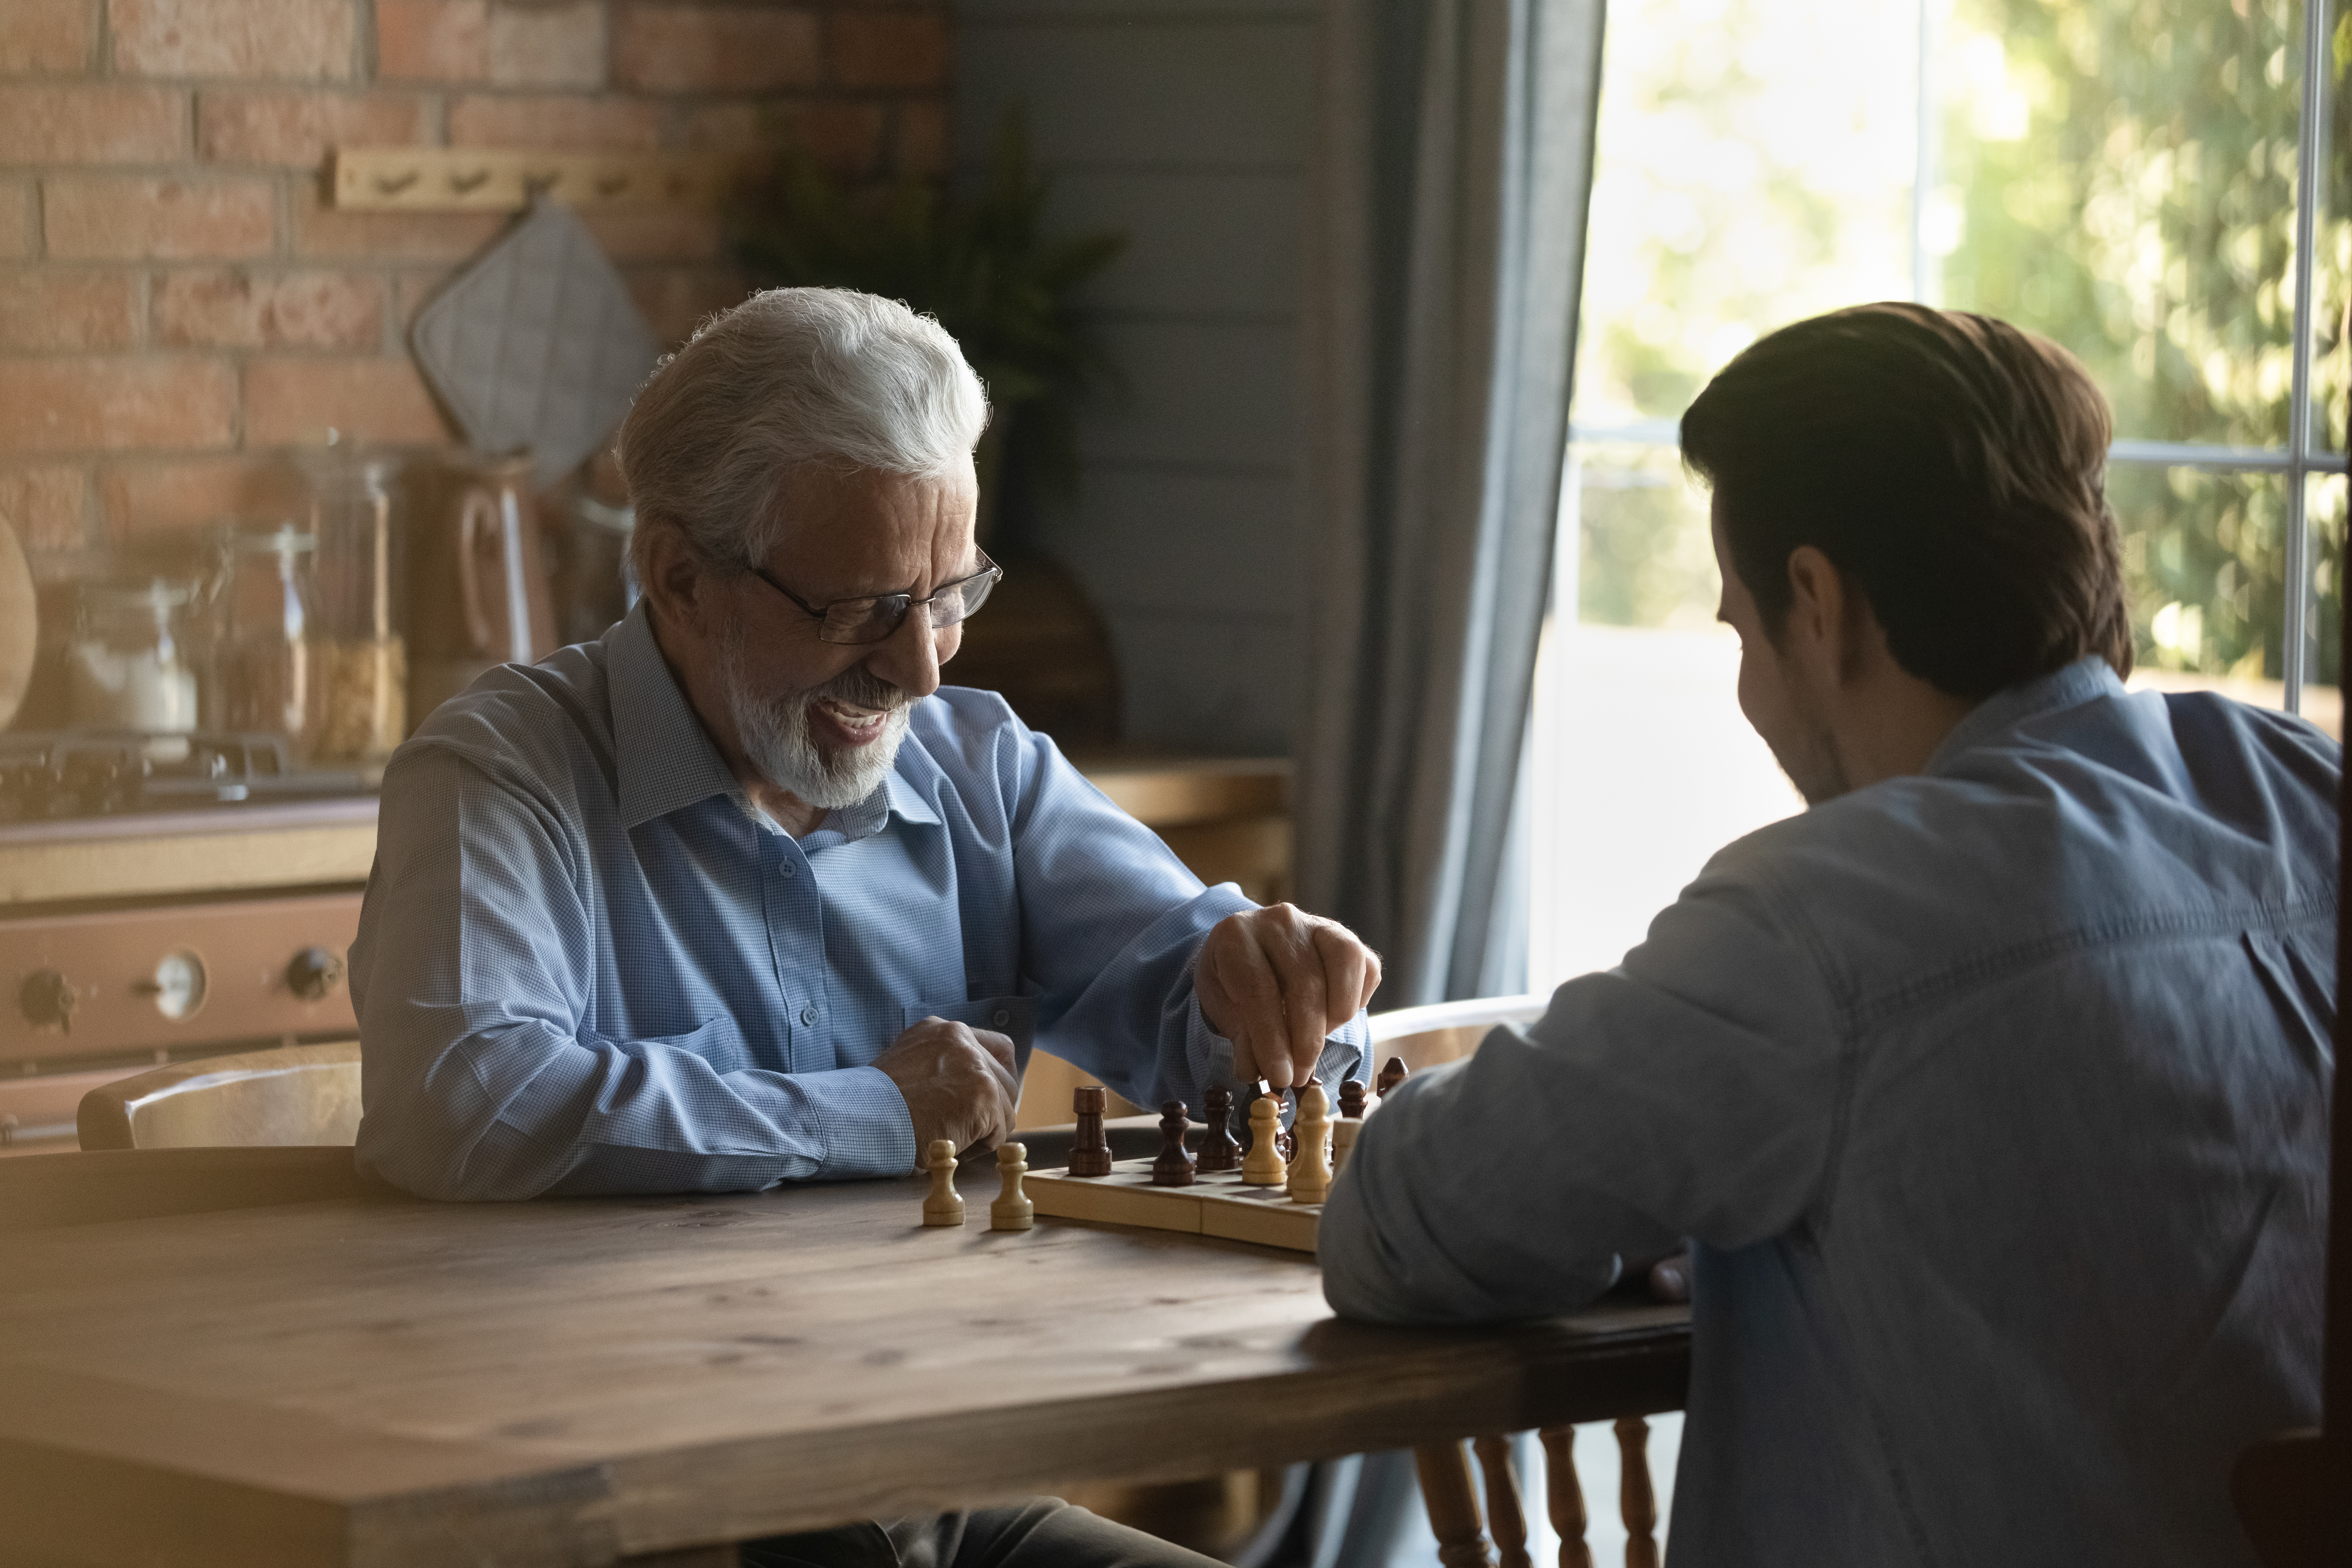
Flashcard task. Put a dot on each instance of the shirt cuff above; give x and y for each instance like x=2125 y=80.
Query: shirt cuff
x=862 y=1119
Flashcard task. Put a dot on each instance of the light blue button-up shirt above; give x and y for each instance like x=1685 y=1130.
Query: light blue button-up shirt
x=1996 y=1099
x=585 y=965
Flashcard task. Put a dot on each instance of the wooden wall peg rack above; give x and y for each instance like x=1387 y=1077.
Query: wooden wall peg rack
x=467 y=179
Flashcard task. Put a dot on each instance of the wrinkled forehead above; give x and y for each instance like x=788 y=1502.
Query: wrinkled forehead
x=865 y=521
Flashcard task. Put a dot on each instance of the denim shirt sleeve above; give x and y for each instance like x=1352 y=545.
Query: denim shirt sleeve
x=479 y=1080
x=1691 y=1092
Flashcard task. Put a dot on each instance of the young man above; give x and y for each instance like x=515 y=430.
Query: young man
x=1992 y=1088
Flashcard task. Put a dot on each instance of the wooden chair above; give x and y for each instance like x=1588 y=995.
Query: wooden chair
x=291 y=1095
x=1423 y=1038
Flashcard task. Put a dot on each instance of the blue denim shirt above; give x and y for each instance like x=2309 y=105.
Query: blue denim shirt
x=584 y=965
x=1995 y=1100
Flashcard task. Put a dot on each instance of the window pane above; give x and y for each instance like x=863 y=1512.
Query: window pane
x=1644 y=766
x=2331 y=379
x=2322 y=697
x=1754 y=166
x=2120 y=176
x=2205 y=570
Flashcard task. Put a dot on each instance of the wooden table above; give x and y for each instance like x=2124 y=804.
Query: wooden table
x=372 y=1380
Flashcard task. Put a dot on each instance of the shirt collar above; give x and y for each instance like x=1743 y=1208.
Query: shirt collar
x=2004 y=711
x=666 y=759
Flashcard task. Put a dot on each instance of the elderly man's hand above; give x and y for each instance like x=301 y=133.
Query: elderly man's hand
x=958 y=1082
x=1275 y=981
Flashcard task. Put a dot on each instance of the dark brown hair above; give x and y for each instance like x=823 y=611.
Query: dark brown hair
x=1952 y=466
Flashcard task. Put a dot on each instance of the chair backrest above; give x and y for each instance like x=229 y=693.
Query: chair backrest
x=1446 y=1031
x=293 y=1094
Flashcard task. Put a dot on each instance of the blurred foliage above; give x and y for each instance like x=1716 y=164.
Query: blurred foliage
x=981 y=264
x=2118 y=175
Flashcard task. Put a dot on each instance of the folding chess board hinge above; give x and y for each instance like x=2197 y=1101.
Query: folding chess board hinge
x=470 y=179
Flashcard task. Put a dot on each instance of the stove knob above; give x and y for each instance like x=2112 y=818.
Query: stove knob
x=47 y=1000
x=314 y=973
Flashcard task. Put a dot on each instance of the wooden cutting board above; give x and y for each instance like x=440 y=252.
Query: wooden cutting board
x=18 y=628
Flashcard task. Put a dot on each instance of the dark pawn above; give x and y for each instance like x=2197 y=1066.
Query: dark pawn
x=1288 y=1140
x=1391 y=1076
x=1351 y=1099
x=1173 y=1168
x=1091 y=1154
x=1218 y=1150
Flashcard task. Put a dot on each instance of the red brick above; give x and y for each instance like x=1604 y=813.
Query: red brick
x=298 y=129
x=46 y=312
x=325 y=232
x=93 y=124
x=677 y=299
x=150 y=496
x=432 y=40
x=654 y=233
x=240 y=310
x=686 y=49
x=846 y=137
x=15 y=218
x=290 y=401
x=922 y=139
x=302 y=40
x=889 y=50
x=541 y=45
x=416 y=291
x=44 y=36
x=46 y=505
x=574 y=124
x=121 y=218
x=116 y=404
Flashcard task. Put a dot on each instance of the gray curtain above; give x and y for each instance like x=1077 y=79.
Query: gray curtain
x=1454 y=166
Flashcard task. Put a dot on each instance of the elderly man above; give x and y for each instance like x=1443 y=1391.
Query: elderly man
x=739 y=895
x=1992 y=1088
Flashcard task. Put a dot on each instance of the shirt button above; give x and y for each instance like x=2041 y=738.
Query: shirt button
x=1000 y=1017
x=808 y=1016
x=785 y=867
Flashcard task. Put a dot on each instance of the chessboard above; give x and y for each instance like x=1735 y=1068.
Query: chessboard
x=1217 y=1203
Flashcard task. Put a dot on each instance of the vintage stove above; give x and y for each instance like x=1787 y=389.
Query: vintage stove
x=163 y=898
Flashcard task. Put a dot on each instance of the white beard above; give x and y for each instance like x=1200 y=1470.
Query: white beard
x=775 y=733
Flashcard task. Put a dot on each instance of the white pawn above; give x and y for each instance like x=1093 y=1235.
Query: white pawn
x=944 y=1205
x=1310 y=1166
x=1263 y=1166
x=1012 y=1210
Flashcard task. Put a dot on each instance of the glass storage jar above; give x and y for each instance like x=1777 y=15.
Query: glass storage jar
x=129 y=665
x=359 y=641
x=266 y=669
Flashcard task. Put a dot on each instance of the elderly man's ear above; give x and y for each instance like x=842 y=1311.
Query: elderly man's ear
x=678 y=584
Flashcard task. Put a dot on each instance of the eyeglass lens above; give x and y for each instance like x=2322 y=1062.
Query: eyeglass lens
x=871 y=620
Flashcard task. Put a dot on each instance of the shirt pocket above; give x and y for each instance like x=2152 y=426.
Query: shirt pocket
x=1013 y=1017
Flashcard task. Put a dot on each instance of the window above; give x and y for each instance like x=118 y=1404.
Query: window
x=2118 y=174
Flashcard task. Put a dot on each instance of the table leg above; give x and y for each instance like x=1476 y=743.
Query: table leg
x=1453 y=1505
x=1565 y=1496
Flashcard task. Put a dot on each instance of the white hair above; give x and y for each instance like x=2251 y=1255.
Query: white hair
x=791 y=377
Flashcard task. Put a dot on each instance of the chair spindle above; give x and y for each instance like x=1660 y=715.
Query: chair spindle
x=1635 y=1494
x=1507 y=1520
x=1565 y=1497
x=1452 y=1504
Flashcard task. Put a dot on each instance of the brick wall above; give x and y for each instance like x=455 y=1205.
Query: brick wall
x=177 y=307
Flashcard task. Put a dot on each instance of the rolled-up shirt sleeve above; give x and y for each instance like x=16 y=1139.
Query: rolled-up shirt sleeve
x=480 y=1079
x=1691 y=1092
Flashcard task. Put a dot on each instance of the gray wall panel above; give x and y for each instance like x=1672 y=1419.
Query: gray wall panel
x=1177 y=541
x=1198 y=244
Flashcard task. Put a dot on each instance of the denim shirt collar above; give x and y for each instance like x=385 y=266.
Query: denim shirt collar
x=2004 y=711
x=664 y=759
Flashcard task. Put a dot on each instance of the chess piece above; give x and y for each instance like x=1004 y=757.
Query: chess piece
x=1012 y=1210
x=1173 y=1168
x=1287 y=1139
x=1263 y=1166
x=1310 y=1172
x=1391 y=1076
x=1218 y=1150
x=1351 y=1099
x=1091 y=1156
x=1258 y=1092
x=944 y=1207
x=1343 y=1142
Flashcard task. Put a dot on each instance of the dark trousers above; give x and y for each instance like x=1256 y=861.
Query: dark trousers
x=1042 y=1533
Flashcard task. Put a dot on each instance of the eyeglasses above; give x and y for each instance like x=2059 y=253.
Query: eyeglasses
x=876 y=617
